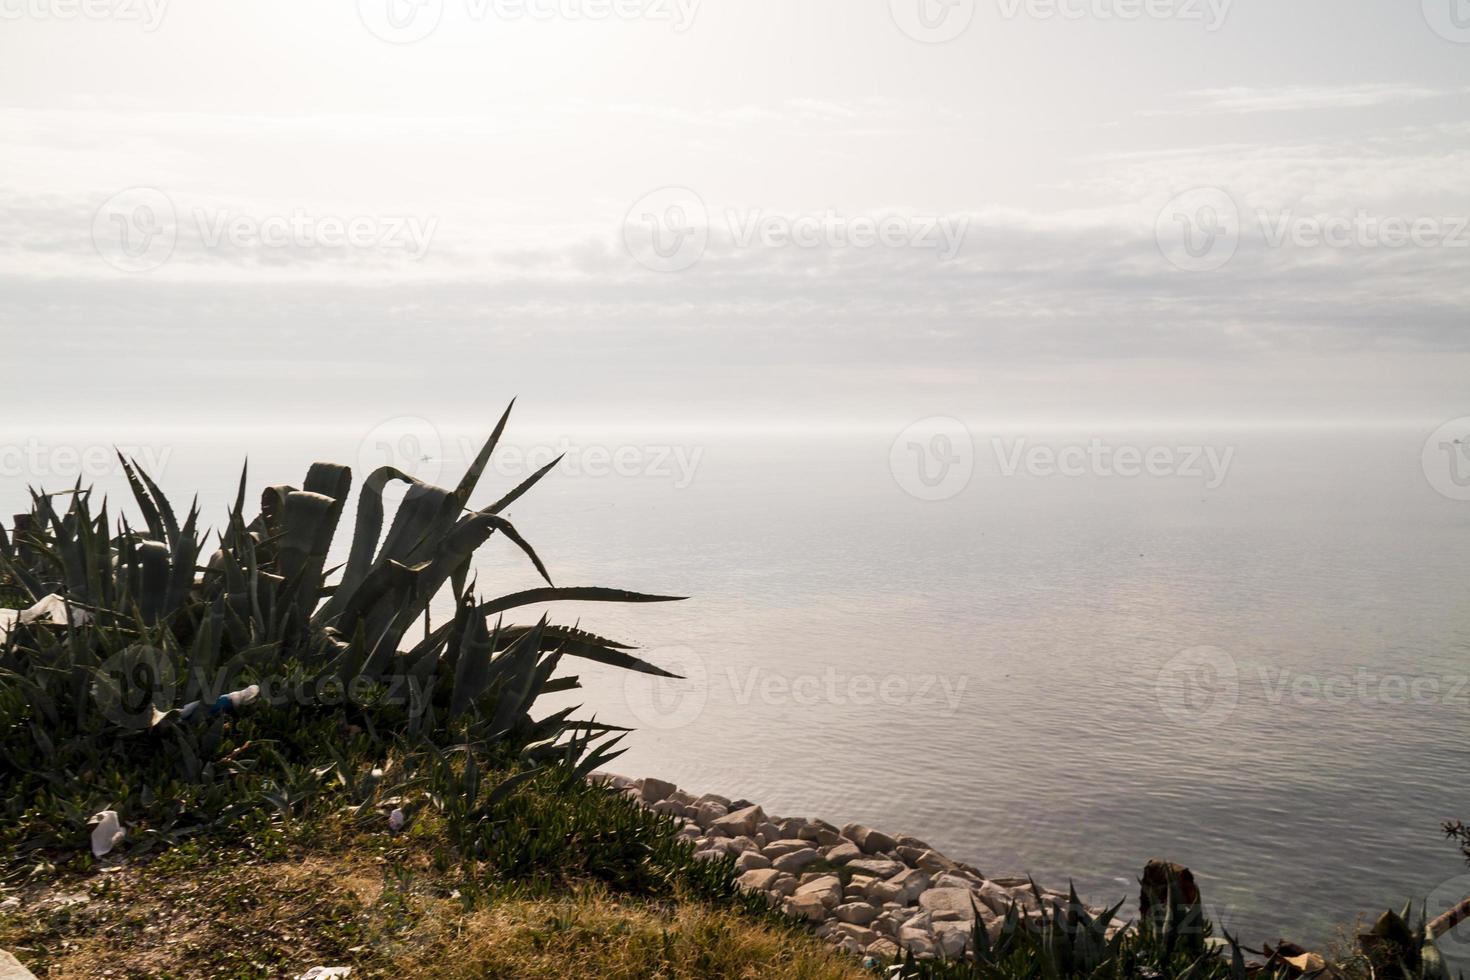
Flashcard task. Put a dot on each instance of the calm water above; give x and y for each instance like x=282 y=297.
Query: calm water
x=999 y=672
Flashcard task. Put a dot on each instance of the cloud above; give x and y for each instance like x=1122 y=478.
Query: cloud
x=1305 y=98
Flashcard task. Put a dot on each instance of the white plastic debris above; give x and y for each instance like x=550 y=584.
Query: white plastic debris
x=107 y=834
x=51 y=609
x=235 y=700
x=396 y=819
x=325 y=973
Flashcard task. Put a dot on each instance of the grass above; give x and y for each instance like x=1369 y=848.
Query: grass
x=323 y=892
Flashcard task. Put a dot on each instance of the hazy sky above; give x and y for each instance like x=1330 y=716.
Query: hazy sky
x=858 y=210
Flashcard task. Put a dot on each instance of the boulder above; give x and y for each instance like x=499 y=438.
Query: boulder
x=828 y=888
x=723 y=801
x=777 y=848
x=885 y=949
x=934 y=862
x=784 y=884
x=653 y=790
x=741 y=823
x=956 y=901
x=820 y=831
x=952 y=938
x=842 y=853
x=10 y=968
x=752 y=861
x=871 y=841
x=809 y=907
x=877 y=867
x=857 y=913
x=795 y=860
x=911 y=884
x=864 y=936
x=707 y=813
x=671 y=808
x=758 y=879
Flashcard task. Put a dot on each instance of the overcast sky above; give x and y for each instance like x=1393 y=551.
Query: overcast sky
x=736 y=211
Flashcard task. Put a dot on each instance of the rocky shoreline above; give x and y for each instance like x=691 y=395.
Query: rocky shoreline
x=862 y=890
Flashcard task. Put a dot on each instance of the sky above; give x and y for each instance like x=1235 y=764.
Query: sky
x=710 y=212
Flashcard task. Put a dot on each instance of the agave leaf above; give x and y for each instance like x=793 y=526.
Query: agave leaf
x=477 y=467
x=573 y=594
x=575 y=643
x=146 y=504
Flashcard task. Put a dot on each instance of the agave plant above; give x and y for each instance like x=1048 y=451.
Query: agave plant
x=159 y=648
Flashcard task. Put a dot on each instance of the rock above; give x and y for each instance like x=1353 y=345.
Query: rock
x=795 y=860
x=610 y=779
x=951 y=900
x=670 y=807
x=707 y=813
x=904 y=840
x=784 y=884
x=842 y=853
x=999 y=899
x=769 y=831
x=1158 y=879
x=934 y=862
x=739 y=844
x=870 y=840
x=952 y=938
x=820 y=831
x=741 y=823
x=877 y=867
x=858 y=913
x=850 y=946
x=758 y=879
x=828 y=888
x=787 y=845
x=884 y=948
x=857 y=887
x=10 y=968
x=752 y=861
x=708 y=855
x=911 y=884
x=654 y=790
x=954 y=880
x=864 y=936
x=920 y=942
x=809 y=907
x=714 y=798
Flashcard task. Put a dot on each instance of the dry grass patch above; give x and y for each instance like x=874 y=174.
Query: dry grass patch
x=380 y=908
